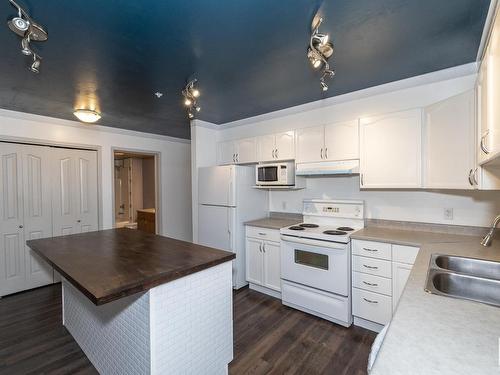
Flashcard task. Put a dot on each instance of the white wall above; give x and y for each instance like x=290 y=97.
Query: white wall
x=470 y=208
x=175 y=161
x=203 y=154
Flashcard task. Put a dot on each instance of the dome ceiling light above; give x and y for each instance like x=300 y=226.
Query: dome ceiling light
x=191 y=95
x=29 y=31
x=87 y=115
x=319 y=51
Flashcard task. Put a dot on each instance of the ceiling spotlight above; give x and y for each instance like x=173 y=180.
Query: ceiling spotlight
x=324 y=86
x=87 y=115
x=158 y=94
x=191 y=93
x=319 y=51
x=30 y=31
x=35 y=65
x=25 y=46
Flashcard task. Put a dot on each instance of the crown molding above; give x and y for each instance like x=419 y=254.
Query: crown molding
x=91 y=127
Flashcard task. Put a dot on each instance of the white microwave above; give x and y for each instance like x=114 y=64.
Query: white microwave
x=277 y=174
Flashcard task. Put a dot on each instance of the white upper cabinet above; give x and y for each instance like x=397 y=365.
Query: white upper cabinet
x=310 y=144
x=449 y=143
x=274 y=147
x=342 y=141
x=245 y=150
x=489 y=97
x=241 y=151
x=225 y=153
x=266 y=147
x=390 y=150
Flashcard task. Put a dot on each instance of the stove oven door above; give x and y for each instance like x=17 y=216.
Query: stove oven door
x=326 y=268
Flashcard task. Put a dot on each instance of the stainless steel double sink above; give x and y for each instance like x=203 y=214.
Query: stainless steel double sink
x=465 y=278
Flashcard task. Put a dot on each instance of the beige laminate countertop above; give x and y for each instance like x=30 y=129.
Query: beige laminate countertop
x=432 y=334
x=273 y=222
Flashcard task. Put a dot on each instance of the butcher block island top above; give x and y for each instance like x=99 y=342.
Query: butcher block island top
x=111 y=264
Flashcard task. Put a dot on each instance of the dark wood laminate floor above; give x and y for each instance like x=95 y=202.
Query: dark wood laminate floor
x=269 y=338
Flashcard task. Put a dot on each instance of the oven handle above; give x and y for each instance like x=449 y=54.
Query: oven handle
x=312 y=242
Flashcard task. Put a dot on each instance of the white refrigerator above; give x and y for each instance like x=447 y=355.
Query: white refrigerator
x=226 y=200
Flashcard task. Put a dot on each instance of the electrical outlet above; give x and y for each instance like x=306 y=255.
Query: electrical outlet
x=448 y=213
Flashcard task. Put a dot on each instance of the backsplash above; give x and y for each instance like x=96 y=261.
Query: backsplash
x=470 y=208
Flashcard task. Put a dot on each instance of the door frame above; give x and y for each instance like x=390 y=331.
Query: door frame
x=69 y=145
x=158 y=195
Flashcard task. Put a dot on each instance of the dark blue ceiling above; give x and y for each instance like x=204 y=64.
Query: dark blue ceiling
x=249 y=55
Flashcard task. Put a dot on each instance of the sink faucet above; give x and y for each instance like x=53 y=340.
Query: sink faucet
x=488 y=239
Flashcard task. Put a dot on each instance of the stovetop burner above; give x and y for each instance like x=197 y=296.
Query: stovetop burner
x=345 y=229
x=334 y=232
x=308 y=225
x=296 y=227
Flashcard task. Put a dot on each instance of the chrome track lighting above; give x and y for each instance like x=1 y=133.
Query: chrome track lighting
x=30 y=31
x=320 y=49
x=191 y=93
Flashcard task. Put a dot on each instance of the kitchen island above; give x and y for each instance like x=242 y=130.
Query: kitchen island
x=139 y=303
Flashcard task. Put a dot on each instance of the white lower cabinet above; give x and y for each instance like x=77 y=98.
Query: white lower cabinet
x=263 y=260
x=380 y=271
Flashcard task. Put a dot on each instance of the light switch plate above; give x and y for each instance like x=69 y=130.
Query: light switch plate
x=448 y=213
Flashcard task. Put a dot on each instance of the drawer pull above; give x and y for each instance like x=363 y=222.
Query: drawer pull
x=261 y=234
x=370 y=267
x=369 y=284
x=369 y=300
x=372 y=250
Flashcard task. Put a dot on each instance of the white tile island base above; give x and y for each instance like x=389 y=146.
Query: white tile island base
x=184 y=326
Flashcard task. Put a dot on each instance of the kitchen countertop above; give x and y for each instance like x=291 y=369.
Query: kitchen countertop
x=431 y=334
x=273 y=222
x=111 y=264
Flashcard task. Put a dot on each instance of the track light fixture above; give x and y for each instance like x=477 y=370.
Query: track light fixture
x=30 y=31
x=191 y=93
x=319 y=51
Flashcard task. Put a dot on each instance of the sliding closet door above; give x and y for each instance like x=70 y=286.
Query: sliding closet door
x=86 y=195
x=37 y=211
x=12 y=255
x=74 y=193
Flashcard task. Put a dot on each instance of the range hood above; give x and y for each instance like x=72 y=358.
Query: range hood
x=326 y=168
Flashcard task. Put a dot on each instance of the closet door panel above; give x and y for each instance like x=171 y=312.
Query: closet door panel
x=64 y=213
x=12 y=269
x=86 y=205
x=37 y=211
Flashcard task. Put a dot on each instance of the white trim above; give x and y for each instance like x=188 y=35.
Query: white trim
x=488 y=25
x=76 y=124
x=205 y=124
x=440 y=75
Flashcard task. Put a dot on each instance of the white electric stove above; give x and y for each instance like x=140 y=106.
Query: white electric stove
x=316 y=259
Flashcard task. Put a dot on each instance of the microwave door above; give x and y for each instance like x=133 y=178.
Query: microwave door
x=268 y=174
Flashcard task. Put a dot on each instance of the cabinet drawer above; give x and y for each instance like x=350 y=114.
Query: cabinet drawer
x=372 y=249
x=372 y=283
x=377 y=267
x=371 y=306
x=404 y=254
x=263 y=233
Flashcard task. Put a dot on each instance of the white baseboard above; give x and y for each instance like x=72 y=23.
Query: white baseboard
x=263 y=289
x=368 y=324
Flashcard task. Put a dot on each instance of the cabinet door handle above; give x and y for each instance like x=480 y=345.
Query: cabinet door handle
x=237 y=158
x=21 y=227
x=321 y=153
x=370 y=267
x=78 y=221
x=369 y=300
x=372 y=250
x=474 y=176
x=276 y=153
x=483 y=146
x=262 y=234
x=264 y=247
x=272 y=153
x=234 y=161
x=326 y=152
x=361 y=178
x=369 y=284
x=260 y=247
x=470 y=178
